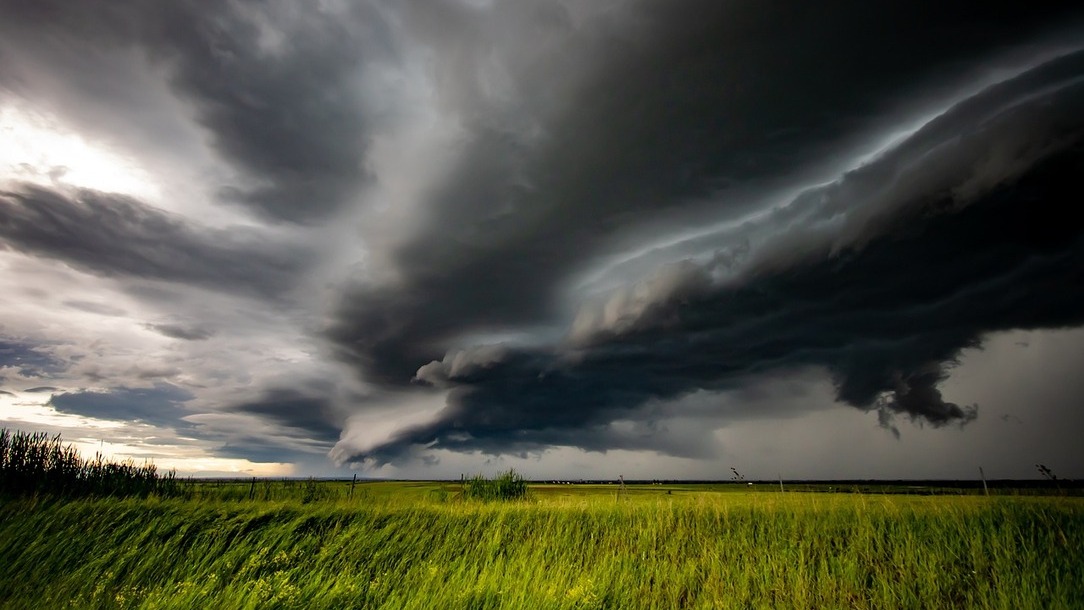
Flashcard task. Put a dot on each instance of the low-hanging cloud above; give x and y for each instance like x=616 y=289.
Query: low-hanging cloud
x=398 y=230
x=984 y=244
x=116 y=236
x=612 y=145
x=313 y=415
x=161 y=404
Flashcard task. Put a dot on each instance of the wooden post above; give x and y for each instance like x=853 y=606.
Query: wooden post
x=985 y=489
x=252 y=489
x=780 y=483
x=352 y=484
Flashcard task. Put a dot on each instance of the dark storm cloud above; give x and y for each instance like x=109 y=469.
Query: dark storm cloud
x=117 y=236
x=185 y=333
x=575 y=139
x=277 y=88
x=312 y=415
x=625 y=121
x=291 y=119
x=887 y=320
x=945 y=254
x=161 y=405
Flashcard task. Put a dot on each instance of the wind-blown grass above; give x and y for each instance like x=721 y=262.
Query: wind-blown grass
x=508 y=485
x=693 y=550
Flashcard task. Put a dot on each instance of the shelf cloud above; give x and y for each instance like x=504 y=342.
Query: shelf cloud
x=387 y=234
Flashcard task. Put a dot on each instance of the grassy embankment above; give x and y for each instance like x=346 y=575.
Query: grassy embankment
x=415 y=545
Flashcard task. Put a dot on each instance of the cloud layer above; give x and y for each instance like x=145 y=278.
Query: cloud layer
x=113 y=235
x=388 y=231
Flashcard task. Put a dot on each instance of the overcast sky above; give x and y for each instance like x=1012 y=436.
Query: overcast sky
x=654 y=238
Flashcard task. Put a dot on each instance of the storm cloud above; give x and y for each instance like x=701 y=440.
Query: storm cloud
x=886 y=328
x=662 y=128
x=274 y=87
x=114 y=236
x=815 y=280
x=394 y=232
x=312 y=414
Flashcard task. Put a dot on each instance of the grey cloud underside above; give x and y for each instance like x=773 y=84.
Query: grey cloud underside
x=660 y=122
x=117 y=236
x=287 y=114
x=281 y=424
x=313 y=415
x=651 y=140
x=584 y=133
x=162 y=404
x=28 y=359
x=293 y=121
x=962 y=230
x=308 y=422
x=185 y=333
x=887 y=321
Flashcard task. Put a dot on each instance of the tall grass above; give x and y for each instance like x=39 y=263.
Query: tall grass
x=397 y=549
x=37 y=464
x=334 y=544
x=508 y=485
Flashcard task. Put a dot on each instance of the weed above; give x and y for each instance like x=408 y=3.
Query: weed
x=505 y=486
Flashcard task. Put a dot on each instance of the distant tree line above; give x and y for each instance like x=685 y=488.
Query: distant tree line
x=35 y=464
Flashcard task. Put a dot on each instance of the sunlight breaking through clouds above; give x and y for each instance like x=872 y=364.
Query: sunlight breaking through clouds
x=39 y=149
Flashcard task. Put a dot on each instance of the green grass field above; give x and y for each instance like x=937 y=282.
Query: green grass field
x=416 y=545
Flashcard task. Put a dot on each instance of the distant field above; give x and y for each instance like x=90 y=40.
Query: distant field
x=299 y=544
